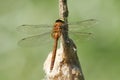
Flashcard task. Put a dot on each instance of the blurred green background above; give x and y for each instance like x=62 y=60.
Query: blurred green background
x=99 y=57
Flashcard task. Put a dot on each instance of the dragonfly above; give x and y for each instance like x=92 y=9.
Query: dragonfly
x=40 y=31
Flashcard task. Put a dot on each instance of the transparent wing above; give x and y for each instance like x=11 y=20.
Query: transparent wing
x=37 y=40
x=82 y=25
x=34 y=29
x=81 y=36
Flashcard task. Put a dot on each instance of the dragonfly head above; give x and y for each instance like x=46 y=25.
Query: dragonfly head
x=60 y=20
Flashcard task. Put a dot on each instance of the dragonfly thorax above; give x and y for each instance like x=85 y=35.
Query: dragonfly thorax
x=56 y=32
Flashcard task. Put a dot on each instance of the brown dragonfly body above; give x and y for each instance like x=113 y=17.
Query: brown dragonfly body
x=56 y=33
